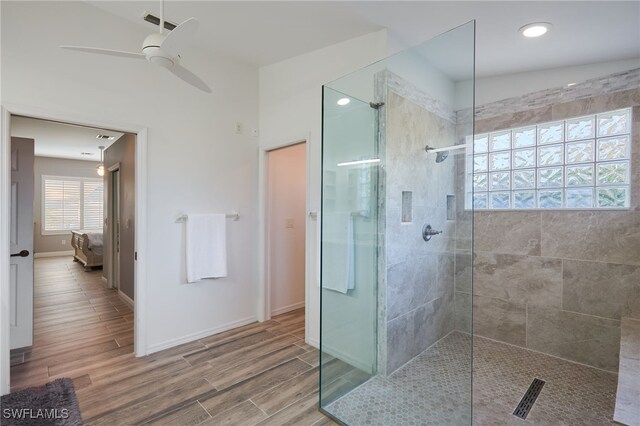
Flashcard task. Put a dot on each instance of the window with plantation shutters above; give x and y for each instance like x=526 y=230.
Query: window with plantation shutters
x=71 y=203
x=92 y=205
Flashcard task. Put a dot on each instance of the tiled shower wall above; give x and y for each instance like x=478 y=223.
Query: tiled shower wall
x=557 y=282
x=419 y=287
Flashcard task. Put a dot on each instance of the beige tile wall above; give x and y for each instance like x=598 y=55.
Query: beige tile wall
x=419 y=286
x=559 y=281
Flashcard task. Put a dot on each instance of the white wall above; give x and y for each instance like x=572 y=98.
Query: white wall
x=196 y=162
x=287 y=190
x=291 y=110
x=55 y=167
x=491 y=89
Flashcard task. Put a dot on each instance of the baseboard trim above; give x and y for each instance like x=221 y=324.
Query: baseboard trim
x=125 y=298
x=199 y=335
x=315 y=343
x=288 y=308
x=105 y=281
x=53 y=254
x=341 y=355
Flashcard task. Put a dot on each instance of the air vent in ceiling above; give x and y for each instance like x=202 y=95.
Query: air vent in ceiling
x=105 y=137
x=86 y=153
x=156 y=21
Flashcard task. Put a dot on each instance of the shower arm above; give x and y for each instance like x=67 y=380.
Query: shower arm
x=430 y=149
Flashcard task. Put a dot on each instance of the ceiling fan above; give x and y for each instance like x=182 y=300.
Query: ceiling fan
x=161 y=49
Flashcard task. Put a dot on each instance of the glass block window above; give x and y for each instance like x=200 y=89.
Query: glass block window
x=578 y=163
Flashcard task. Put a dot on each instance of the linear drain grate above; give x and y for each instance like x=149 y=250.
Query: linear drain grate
x=529 y=399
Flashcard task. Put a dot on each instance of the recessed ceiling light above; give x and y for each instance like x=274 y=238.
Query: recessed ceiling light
x=571 y=84
x=343 y=101
x=535 y=29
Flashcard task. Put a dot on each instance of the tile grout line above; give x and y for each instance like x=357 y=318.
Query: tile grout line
x=202 y=406
x=256 y=405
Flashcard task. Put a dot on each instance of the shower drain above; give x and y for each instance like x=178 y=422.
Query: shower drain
x=529 y=399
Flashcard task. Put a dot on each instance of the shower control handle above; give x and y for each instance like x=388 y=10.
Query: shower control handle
x=428 y=232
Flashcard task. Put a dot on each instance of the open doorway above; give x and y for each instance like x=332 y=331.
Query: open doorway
x=286 y=181
x=79 y=317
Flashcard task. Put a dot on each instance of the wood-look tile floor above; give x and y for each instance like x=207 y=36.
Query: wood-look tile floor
x=262 y=373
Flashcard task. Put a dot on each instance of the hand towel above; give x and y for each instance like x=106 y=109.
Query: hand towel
x=206 y=246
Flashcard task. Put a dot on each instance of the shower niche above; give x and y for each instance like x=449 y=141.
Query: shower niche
x=395 y=338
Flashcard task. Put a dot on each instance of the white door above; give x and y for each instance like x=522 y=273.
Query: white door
x=21 y=243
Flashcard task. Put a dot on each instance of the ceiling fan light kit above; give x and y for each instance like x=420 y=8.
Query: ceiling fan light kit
x=162 y=50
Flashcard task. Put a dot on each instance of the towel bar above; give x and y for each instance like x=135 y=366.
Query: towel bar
x=234 y=216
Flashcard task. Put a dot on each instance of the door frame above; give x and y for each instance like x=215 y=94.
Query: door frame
x=268 y=203
x=140 y=270
x=111 y=257
x=264 y=294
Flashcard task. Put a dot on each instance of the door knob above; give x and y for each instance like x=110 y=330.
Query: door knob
x=23 y=253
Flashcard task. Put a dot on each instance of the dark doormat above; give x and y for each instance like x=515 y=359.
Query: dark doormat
x=52 y=404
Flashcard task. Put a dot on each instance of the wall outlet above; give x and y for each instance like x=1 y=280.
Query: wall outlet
x=64 y=242
x=289 y=223
x=238 y=128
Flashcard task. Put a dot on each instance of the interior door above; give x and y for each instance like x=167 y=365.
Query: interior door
x=21 y=243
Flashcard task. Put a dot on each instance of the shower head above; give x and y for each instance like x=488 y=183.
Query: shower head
x=441 y=156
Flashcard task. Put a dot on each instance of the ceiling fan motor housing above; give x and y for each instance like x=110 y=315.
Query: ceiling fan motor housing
x=153 y=52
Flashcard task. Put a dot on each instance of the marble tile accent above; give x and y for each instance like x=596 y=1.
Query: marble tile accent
x=513 y=119
x=628 y=396
x=582 y=338
x=414 y=282
x=499 y=320
x=519 y=279
x=507 y=232
x=558 y=95
x=596 y=104
x=410 y=91
x=413 y=332
x=605 y=236
x=601 y=289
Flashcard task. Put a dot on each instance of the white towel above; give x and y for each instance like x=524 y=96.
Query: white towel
x=338 y=258
x=206 y=246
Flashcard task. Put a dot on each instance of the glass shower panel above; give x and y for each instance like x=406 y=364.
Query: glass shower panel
x=397 y=226
x=349 y=243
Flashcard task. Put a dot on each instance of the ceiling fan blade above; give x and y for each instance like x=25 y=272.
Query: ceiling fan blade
x=180 y=37
x=186 y=75
x=105 y=52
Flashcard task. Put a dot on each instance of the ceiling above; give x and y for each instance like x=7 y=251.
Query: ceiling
x=59 y=140
x=265 y=32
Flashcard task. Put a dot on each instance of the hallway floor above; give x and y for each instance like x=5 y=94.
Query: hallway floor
x=435 y=388
x=262 y=373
